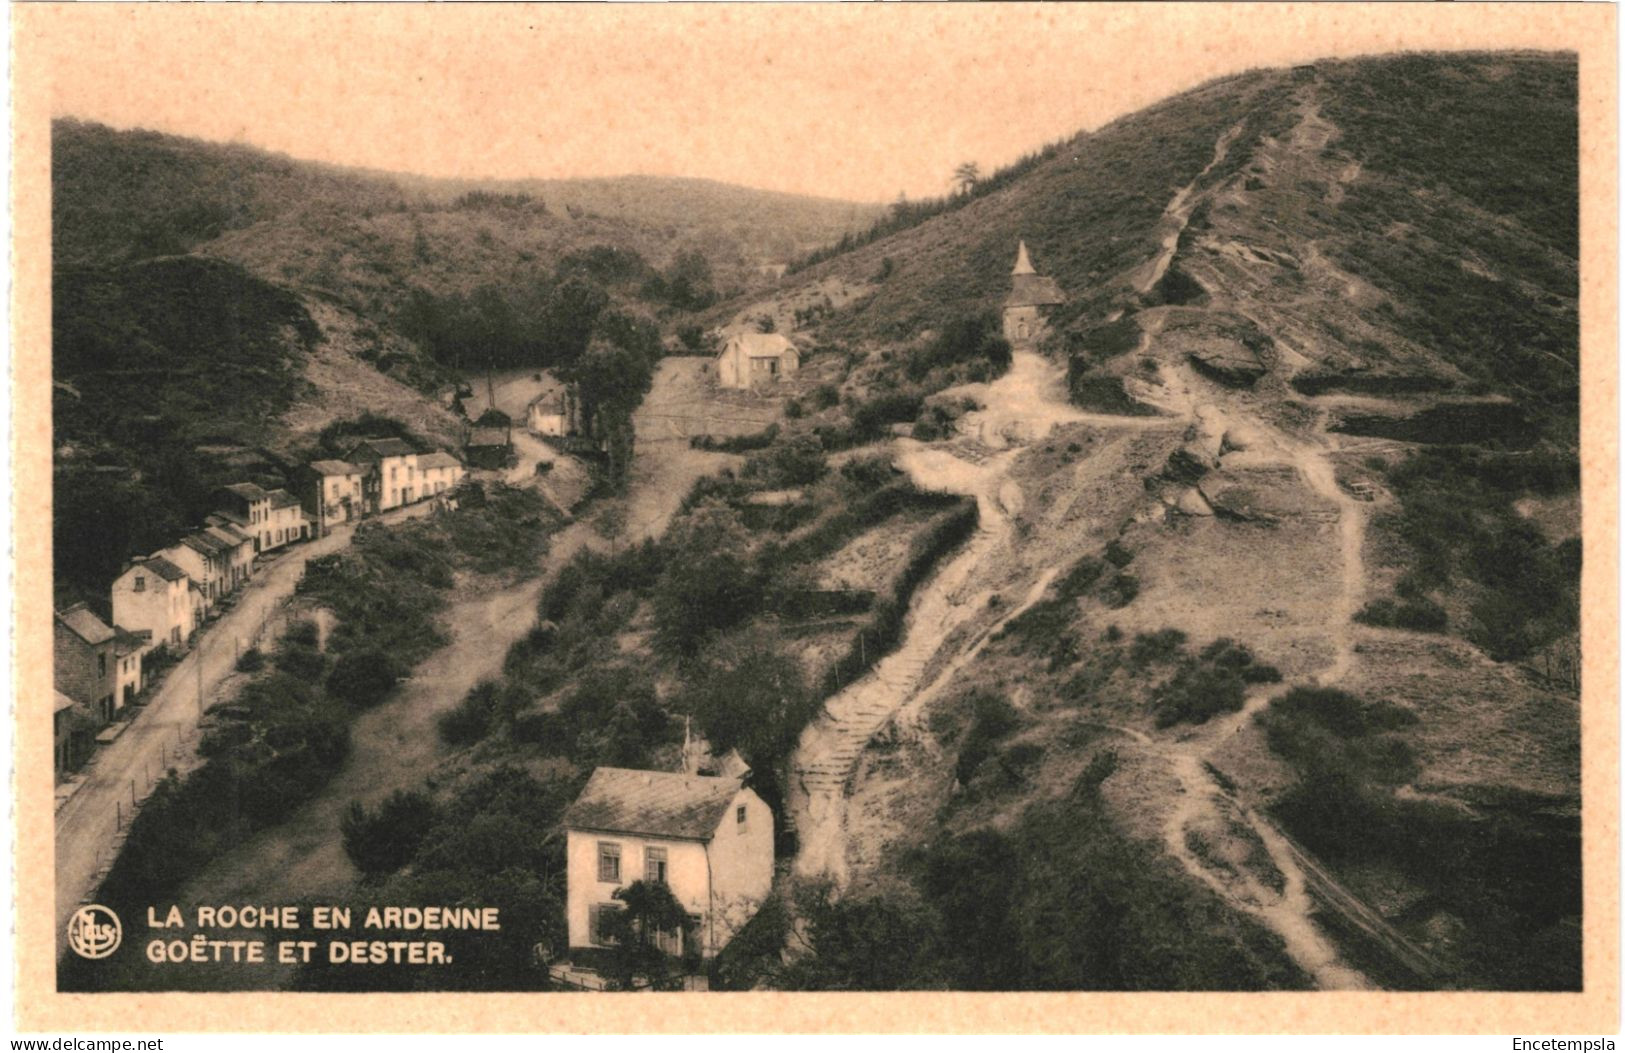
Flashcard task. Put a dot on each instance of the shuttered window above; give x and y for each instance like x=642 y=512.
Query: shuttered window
x=609 y=861
x=654 y=865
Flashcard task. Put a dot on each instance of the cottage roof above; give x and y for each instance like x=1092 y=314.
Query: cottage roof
x=334 y=468
x=247 y=491
x=61 y=702
x=130 y=641
x=163 y=568
x=89 y=628
x=760 y=345
x=377 y=449
x=228 y=516
x=1033 y=290
x=206 y=544
x=653 y=803
x=282 y=499
x=487 y=437
x=229 y=535
x=439 y=459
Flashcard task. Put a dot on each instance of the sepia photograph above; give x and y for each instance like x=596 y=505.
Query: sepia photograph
x=685 y=499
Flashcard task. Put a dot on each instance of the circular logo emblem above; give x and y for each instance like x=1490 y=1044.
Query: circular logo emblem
x=94 y=931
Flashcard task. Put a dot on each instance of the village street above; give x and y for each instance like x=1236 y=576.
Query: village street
x=164 y=733
x=395 y=745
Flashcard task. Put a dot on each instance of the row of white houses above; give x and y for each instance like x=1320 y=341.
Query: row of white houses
x=162 y=599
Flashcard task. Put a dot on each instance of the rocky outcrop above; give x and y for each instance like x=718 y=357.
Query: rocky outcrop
x=1233 y=364
x=1263 y=495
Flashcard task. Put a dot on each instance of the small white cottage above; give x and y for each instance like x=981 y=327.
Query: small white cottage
x=709 y=840
x=753 y=360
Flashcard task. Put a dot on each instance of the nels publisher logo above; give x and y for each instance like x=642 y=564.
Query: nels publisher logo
x=94 y=931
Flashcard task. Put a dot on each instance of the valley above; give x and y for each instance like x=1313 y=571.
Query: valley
x=1199 y=611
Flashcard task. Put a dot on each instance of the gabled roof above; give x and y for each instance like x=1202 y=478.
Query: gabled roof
x=228 y=535
x=335 y=468
x=229 y=516
x=1033 y=290
x=439 y=459
x=163 y=568
x=89 y=628
x=282 y=499
x=377 y=449
x=247 y=491
x=206 y=544
x=760 y=345
x=652 y=803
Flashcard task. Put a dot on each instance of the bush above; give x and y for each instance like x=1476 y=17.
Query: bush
x=251 y=661
x=796 y=462
x=364 y=678
x=825 y=395
x=386 y=840
x=472 y=718
x=1420 y=614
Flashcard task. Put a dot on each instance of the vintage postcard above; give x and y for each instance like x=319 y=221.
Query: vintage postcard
x=847 y=517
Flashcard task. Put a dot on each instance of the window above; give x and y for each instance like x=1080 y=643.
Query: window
x=598 y=916
x=609 y=861
x=739 y=815
x=101 y=665
x=141 y=583
x=654 y=865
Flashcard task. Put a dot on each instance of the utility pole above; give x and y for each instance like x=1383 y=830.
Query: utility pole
x=198 y=655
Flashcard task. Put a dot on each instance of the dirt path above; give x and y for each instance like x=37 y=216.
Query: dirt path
x=1019 y=408
x=1178 y=214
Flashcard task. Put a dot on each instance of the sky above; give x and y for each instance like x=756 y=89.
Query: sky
x=856 y=101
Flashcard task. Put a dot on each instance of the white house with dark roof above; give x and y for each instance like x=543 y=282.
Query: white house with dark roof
x=248 y=507
x=239 y=547
x=152 y=596
x=287 y=522
x=439 y=471
x=331 y=493
x=206 y=561
x=710 y=840
x=390 y=476
x=754 y=360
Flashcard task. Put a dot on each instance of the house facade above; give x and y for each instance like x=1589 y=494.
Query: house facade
x=708 y=839
x=439 y=472
x=247 y=507
x=128 y=678
x=553 y=413
x=390 y=474
x=331 y=493
x=239 y=551
x=152 y=595
x=1027 y=307
x=755 y=360
x=85 y=660
x=205 y=561
x=287 y=521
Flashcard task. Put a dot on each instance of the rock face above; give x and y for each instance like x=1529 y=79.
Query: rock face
x=1263 y=495
x=1229 y=362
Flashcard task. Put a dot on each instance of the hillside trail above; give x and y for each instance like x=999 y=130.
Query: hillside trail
x=1017 y=409
x=1177 y=214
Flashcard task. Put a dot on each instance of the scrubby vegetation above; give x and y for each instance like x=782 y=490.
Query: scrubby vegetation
x=1511 y=873
x=1465 y=539
x=989 y=909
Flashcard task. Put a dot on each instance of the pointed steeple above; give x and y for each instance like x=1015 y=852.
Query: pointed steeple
x=1023 y=264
